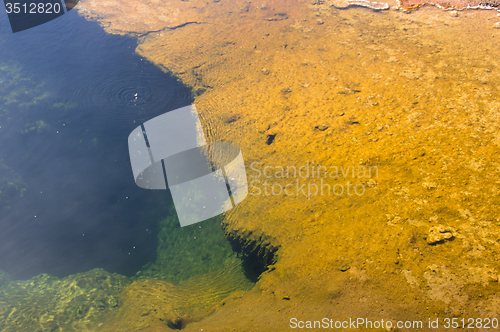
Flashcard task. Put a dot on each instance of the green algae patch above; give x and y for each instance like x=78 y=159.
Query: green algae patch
x=37 y=127
x=5 y=278
x=11 y=185
x=79 y=302
x=18 y=90
x=24 y=98
x=186 y=252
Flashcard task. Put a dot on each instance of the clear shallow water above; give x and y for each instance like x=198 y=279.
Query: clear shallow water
x=409 y=87
x=69 y=96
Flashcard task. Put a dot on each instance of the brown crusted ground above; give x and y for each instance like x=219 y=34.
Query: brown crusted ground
x=415 y=95
x=450 y=4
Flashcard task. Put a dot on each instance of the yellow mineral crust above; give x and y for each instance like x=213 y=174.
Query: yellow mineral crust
x=412 y=97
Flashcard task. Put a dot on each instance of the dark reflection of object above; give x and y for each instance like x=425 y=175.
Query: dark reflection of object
x=80 y=209
x=25 y=14
x=70 y=4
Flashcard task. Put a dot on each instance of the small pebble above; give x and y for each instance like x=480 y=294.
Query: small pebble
x=454 y=13
x=345 y=267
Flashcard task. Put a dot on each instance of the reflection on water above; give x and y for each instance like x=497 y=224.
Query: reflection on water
x=72 y=219
x=68 y=199
x=305 y=83
x=414 y=95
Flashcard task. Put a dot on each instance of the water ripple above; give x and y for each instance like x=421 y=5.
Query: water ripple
x=117 y=99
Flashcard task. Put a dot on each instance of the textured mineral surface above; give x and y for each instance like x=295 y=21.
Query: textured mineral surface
x=79 y=302
x=451 y=4
x=363 y=132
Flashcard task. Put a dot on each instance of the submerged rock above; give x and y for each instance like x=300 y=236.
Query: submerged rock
x=343 y=4
x=369 y=4
x=340 y=4
x=439 y=234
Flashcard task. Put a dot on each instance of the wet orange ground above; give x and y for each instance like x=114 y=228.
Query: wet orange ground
x=450 y=4
x=413 y=96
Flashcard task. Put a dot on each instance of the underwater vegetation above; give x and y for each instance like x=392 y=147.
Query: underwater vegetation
x=311 y=83
x=11 y=186
x=26 y=105
x=188 y=281
x=184 y=252
x=79 y=302
x=17 y=91
x=21 y=98
x=412 y=93
x=4 y=278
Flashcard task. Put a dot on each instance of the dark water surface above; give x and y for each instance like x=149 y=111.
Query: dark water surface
x=69 y=96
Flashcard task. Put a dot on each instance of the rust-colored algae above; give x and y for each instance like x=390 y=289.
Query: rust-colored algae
x=412 y=97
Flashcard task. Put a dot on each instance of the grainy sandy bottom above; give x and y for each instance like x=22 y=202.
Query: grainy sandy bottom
x=414 y=96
